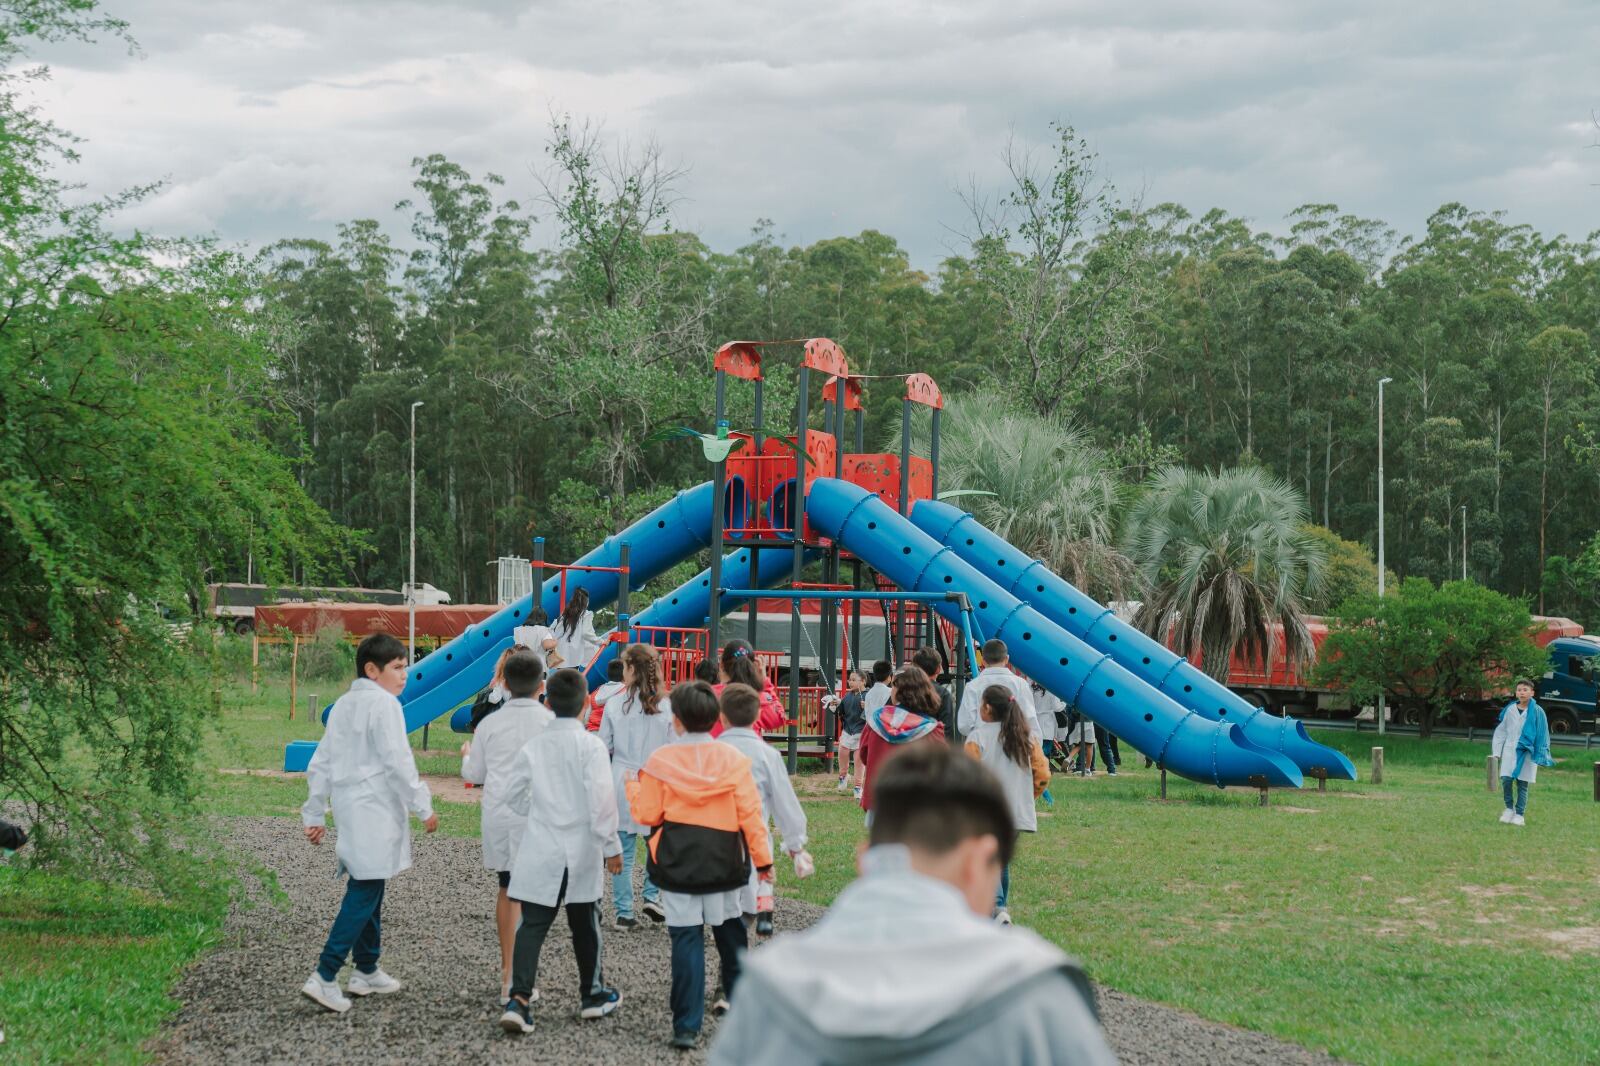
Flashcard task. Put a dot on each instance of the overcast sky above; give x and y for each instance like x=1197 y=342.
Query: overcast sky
x=829 y=117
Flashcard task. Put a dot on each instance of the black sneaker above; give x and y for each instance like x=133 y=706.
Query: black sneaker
x=518 y=1017
x=764 y=924
x=653 y=911
x=720 y=1007
x=624 y=922
x=685 y=1039
x=600 y=1004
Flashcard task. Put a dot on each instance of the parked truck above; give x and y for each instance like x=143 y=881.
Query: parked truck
x=1567 y=691
x=234 y=603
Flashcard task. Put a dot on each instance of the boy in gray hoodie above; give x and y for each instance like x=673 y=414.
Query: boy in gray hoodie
x=906 y=965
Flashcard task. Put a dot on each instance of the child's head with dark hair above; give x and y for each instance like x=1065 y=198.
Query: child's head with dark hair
x=567 y=693
x=995 y=652
x=913 y=691
x=999 y=705
x=741 y=705
x=952 y=814
x=706 y=670
x=614 y=669
x=927 y=660
x=523 y=671
x=572 y=613
x=855 y=680
x=376 y=656
x=537 y=616
x=695 y=707
x=882 y=671
x=739 y=664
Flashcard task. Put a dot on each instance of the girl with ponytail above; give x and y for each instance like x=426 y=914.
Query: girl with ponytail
x=1006 y=746
x=737 y=665
x=576 y=641
x=637 y=721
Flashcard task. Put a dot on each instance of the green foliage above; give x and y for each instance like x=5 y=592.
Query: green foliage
x=1228 y=565
x=1349 y=571
x=1422 y=645
x=133 y=383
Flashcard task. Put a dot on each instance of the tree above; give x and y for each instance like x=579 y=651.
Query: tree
x=133 y=385
x=1056 y=495
x=1563 y=372
x=1228 y=565
x=1423 y=646
x=1063 y=263
x=1350 y=571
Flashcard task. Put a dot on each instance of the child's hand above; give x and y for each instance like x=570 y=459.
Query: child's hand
x=466 y=748
x=804 y=867
x=614 y=864
x=431 y=823
x=314 y=833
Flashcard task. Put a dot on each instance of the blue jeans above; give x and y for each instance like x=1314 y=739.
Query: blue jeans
x=1110 y=750
x=1522 y=794
x=689 y=968
x=357 y=928
x=622 y=884
x=1001 y=896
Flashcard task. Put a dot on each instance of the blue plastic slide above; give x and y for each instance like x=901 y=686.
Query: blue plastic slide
x=1178 y=739
x=1097 y=626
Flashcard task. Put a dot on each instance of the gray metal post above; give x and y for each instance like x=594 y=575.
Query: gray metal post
x=624 y=579
x=855 y=566
x=902 y=632
x=752 y=607
x=538 y=568
x=933 y=449
x=797 y=510
x=719 y=486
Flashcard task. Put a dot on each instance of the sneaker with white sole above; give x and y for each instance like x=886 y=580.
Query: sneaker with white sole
x=517 y=1018
x=1002 y=917
x=720 y=1007
x=653 y=910
x=1517 y=819
x=505 y=994
x=325 y=994
x=625 y=921
x=600 y=1004
x=1506 y=816
x=844 y=784
x=375 y=983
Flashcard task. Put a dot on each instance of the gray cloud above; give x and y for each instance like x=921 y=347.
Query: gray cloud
x=829 y=117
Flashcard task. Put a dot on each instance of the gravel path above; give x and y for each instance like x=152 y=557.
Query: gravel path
x=242 y=1002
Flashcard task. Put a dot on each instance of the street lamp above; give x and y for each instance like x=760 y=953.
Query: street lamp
x=1382 y=711
x=411 y=585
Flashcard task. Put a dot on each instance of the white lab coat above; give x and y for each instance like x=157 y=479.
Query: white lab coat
x=1506 y=735
x=494 y=752
x=533 y=638
x=561 y=785
x=1015 y=780
x=577 y=649
x=1045 y=705
x=778 y=801
x=631 y=736
x=363 y=765
x=967 y=716
x=877 y=695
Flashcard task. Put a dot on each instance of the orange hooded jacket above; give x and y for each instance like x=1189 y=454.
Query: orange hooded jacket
x=700 y=800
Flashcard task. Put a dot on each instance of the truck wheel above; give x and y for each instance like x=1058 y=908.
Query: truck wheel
x=244 y=627
x=1258 y=699
x=1563 y=722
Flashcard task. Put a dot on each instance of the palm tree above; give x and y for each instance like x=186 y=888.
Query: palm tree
x=1227 y=564
x=1056 y=494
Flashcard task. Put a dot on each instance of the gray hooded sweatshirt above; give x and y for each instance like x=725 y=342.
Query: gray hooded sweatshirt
x=900 y=970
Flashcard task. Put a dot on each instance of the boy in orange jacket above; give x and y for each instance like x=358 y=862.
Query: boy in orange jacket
x=699 y=799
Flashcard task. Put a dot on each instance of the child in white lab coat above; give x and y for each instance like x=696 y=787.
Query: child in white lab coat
x=364 y=767
x=741 y=706
x=488 y=761
x=1003 y=744
x=1522 y=743
x=561 y=784
x=536 y=635
x=637 y=720
x=576 y=640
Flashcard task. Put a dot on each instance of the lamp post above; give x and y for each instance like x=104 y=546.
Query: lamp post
x=1463 y=542
x=411 y=580
x=1382 y=710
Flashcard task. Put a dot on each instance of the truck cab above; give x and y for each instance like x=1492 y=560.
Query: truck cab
x=1568 y=689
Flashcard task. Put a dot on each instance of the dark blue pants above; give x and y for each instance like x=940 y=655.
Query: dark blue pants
x=1004 y=893
x=355 y=930
x=583 y=919
x=1110 y=750
x=1521 y=802
x=689 y=968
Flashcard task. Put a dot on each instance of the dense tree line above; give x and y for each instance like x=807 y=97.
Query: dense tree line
x=1163 y=335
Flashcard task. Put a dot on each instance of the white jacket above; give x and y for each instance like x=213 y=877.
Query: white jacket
x=576 y=650
x=1017 y=781
x=495 y=748
x=967 y=716
x=363 y=765
x=631 y=736
x=561 y=785
x=778 y=800
x=1506 y=734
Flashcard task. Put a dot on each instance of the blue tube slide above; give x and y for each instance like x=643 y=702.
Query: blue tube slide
x=1178 y=739
x=1097 y=626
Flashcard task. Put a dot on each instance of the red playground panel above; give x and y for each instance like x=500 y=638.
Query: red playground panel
x=760 y=490
x=880 y=474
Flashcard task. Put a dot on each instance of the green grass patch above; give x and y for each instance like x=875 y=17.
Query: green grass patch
x=85 y=968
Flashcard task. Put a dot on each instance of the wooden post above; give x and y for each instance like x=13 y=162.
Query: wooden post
x=255 y=662
x=315 y=705
x=1377 y=766
x=216 y=700
x=1321 y=774
x=1597 y=782
x=1164 y=781
x=294 y=675
x=1492 y=766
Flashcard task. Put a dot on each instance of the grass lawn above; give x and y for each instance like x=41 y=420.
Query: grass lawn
x=1394 y=923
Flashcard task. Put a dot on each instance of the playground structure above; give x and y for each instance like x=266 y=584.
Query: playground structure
x=777 y=505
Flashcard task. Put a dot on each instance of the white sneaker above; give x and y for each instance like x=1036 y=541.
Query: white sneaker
x=1002 y=917
x=844 y=784
x=1517 y=819
x=1506 y=816
x=325 y=994
x=376 y=982
x=858 y=792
